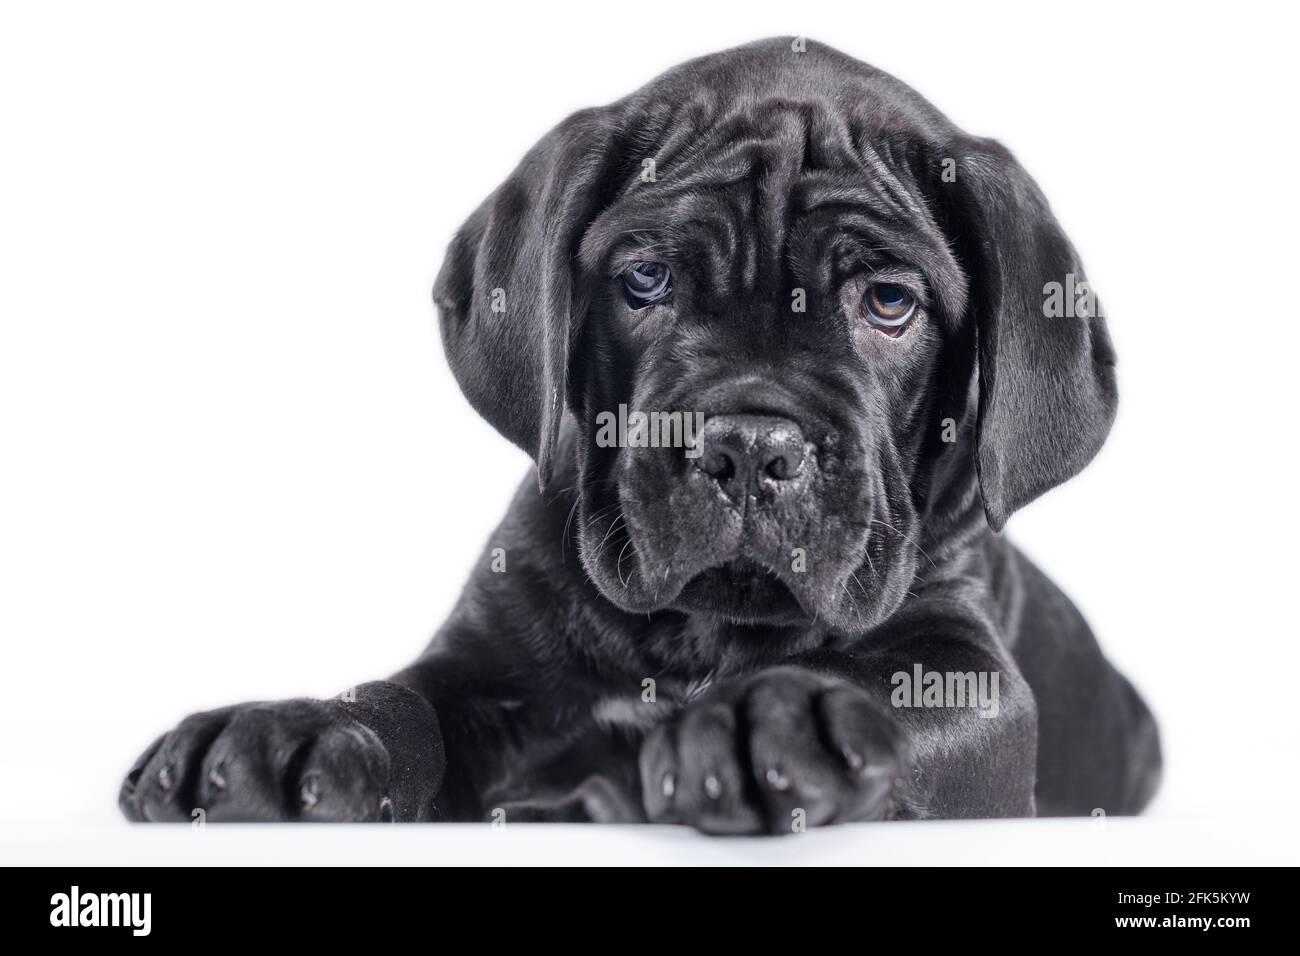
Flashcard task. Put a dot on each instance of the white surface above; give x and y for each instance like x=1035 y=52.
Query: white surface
x=235 y=467
x=1110 y=842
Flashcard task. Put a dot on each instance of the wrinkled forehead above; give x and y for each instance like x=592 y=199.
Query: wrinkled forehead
x=764 y=190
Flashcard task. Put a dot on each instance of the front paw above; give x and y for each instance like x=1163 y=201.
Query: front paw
x=309 y=760
x=785 y=749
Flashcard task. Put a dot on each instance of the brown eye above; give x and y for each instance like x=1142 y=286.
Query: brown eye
x=888 y=306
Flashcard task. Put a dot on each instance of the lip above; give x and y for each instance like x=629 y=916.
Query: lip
x=742 y=591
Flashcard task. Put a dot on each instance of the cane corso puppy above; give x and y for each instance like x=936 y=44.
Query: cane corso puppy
x=788 y=349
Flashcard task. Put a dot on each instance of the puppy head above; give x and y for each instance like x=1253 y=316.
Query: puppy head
x=801 y=324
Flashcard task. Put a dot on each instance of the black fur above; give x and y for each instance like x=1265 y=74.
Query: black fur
x=771 y=622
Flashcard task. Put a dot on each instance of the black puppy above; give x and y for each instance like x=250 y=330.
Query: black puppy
x=847 y=341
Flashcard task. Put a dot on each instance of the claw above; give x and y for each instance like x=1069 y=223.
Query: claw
x=776 y=780
x=712 y=787
x=309 y=793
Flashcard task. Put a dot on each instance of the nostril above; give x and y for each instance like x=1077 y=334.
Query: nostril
x=781 y=469
x=785 y=457
x=717 y=462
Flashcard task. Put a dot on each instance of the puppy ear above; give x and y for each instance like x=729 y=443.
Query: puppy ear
x=505 y=291
x=1047 y=391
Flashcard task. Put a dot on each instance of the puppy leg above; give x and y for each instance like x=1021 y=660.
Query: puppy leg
x=432 y=743
x=818 y=742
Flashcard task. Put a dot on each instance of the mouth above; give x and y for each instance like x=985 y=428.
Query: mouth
x=742 y=591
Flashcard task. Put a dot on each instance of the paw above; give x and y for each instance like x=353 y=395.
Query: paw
x=285 y=760
x=785 y=749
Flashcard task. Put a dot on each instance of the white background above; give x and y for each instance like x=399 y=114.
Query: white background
x=233 y=464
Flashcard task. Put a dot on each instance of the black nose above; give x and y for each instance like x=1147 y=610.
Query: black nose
x=744 y=452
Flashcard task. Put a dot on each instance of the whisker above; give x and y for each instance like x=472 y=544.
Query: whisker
x=601 y=512
x=907 y=539
x=560 y=494
x=564 y=535
x=612 y=526
x=858 y=583
x=618 y=565
x=659 y=590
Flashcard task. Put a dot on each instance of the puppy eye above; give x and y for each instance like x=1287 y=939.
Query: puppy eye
x=647 y=282
x=888 y=306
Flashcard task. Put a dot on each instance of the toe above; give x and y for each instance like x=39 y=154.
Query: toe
x=791 y=767
x=166 y=788
x=128 y=795
x=344 y=777
x=715 y=793
x=658 y=766
x=867 y=740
